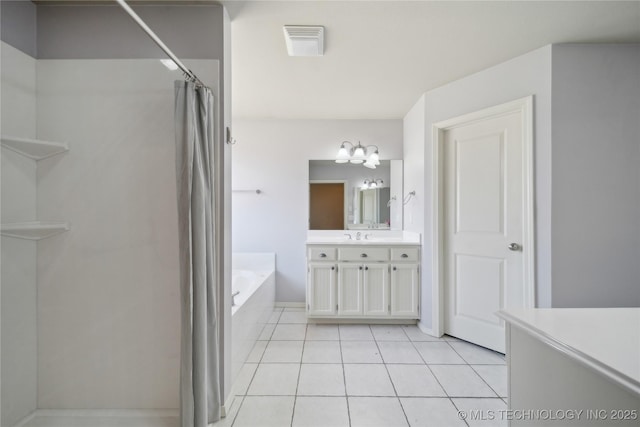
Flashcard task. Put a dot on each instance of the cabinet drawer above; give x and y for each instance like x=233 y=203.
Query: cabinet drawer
x=404 y=254
x=322 y=254
x=363 y=254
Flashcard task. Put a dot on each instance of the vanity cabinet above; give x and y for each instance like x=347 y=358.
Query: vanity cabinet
x=363 y=281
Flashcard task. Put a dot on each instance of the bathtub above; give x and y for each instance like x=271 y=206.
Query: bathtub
x=253 y=279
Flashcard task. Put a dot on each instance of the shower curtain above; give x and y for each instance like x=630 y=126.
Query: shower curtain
x=199 y=362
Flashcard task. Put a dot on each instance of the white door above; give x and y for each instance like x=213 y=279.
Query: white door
x=483 y=227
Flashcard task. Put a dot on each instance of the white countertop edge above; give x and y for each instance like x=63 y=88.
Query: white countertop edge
x=616 y=376
x=362 y=242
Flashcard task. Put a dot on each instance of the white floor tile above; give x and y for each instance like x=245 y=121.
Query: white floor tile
x=389 y=333
x=355 y=332
x=256 y=353
x=317 y=332
x=438 y=353
x=321 y=380
x=283 y=352
x=241 y=383
x=289 y=332
x=376 y=412
x=487 y=408
x=293 y=317
x=398 y=352
x=265 y=411
x=267 y=331
x=475 y=355
x=275 y=316
x=320 y=412
x=461 y=381
x=360 y=352
x=495 y=376
x=415 y=334
x=431 y=412
x=321 y=352
x=367 y=380
x=231 y=413
x=414 y=380
x=275 y=379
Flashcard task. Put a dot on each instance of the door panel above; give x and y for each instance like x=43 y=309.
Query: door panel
x=404 y=290
x=376 y=290
x=483 y=201
x=322 y=289
x=350 y=285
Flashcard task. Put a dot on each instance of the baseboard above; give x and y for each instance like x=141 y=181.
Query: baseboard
x=25 y=420
x=101 y=413
x=426 y=330
x=289 y=304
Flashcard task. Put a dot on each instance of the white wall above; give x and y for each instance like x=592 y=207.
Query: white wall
x=18 y=264
x=596 y=175
x=529 y=74
x=273 y=156
x=108 y=292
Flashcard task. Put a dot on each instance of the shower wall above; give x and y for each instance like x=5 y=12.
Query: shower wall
x=18 y=263
x=108 y=294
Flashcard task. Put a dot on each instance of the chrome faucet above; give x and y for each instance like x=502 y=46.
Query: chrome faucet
x=366 y=236
x=348 y=235
x=358 y=234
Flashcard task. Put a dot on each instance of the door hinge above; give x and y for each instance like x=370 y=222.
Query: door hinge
x=336 y=307
x=308 y=307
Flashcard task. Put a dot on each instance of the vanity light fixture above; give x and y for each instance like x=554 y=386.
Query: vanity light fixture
x=358 y=154
x=372 y=183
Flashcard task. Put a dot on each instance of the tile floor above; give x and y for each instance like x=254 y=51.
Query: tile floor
x=301 y=374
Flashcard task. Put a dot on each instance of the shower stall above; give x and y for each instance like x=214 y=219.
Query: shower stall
x=90 y=307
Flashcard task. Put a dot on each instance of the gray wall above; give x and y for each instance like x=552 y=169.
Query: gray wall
x=18 y=25
x=596 y=175
x=106 y=31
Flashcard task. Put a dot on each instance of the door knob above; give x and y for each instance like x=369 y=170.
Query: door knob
x=514 y=247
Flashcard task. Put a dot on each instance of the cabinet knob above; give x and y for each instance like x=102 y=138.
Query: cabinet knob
x=363 y=255
x=333 y=267
x=404 y=256
x=395 y=268
x=366 y=268
x=323 y=255
x=360 y=267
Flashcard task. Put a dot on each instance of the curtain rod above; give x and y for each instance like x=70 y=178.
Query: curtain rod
x=188 y=74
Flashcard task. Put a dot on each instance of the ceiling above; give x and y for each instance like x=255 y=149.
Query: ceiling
x=380 y=56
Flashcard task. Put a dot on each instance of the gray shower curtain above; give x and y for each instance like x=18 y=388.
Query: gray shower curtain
x=199 y=362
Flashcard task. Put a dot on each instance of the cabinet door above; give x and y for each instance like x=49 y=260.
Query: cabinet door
x=321 y=292
x=350 y=289
x=405 y=284
x=376 y=290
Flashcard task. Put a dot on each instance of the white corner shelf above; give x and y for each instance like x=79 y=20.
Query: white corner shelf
x=34 y=230
x=34 y=148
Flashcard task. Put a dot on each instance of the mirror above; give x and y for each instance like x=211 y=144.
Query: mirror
x=352 y=197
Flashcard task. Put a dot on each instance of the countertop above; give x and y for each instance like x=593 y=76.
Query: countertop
x=373 y=238
x=605 y=339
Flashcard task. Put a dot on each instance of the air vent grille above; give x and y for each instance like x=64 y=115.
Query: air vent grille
x=304 y=40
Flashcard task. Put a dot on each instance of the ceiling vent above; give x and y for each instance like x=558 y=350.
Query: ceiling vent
x=304 y=40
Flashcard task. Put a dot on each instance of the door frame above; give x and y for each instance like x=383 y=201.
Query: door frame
x=345 y=190
x=524 y=106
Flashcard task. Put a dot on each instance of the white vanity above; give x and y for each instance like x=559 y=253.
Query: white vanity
x=363 y=276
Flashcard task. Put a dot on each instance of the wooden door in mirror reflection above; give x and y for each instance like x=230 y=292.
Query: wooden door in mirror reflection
x=326 y=209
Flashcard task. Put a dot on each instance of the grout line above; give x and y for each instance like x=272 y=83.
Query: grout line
x=344 y=377
x=476 y=372
x=458 y=409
